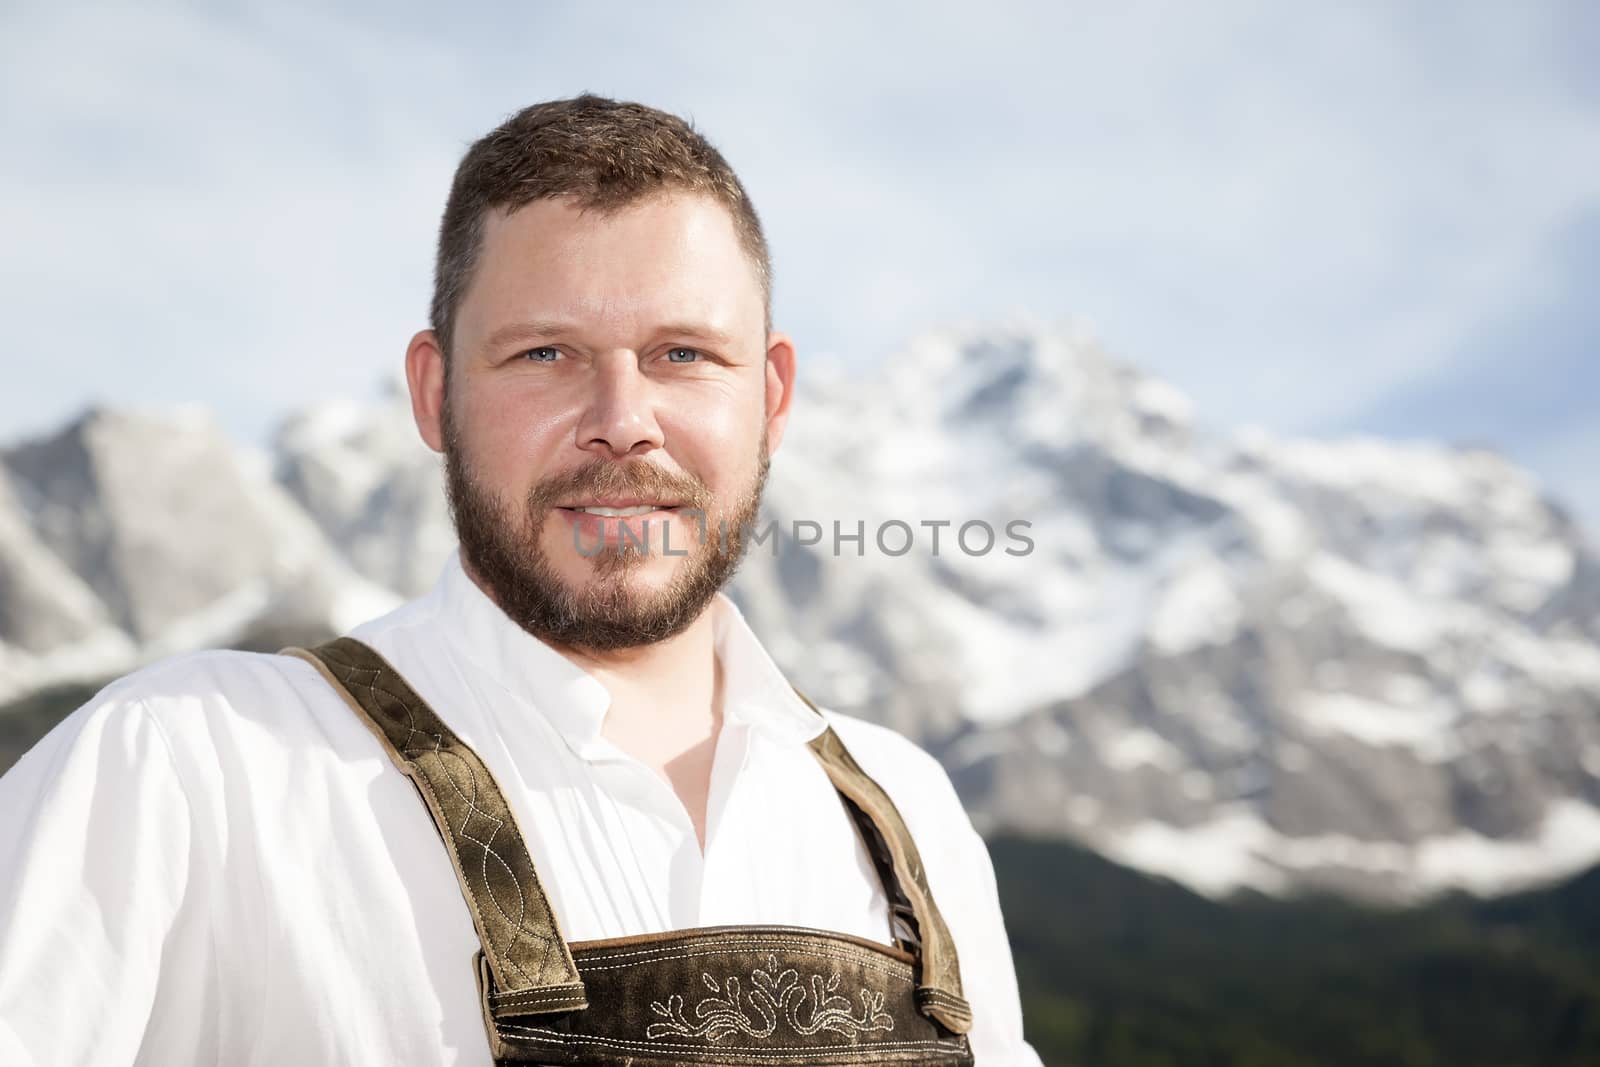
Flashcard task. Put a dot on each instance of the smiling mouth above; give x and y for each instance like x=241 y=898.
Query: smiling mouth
x=622 y=513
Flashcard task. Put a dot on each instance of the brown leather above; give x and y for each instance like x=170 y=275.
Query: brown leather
x=735 y=996
x=520 y=935
x=939 y=991
x=761 y=994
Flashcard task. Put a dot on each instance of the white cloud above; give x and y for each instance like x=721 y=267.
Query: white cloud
x=1288 y=213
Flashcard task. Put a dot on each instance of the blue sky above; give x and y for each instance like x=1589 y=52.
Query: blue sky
x=1320 y=218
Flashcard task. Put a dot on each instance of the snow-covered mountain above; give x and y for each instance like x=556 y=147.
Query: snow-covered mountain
x=124 y=537
x=1233 y=658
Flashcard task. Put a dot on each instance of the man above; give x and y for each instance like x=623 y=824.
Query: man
x=220 y=859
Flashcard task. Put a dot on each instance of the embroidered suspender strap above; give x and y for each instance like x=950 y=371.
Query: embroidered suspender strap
x=939 y=992
x=522 y=943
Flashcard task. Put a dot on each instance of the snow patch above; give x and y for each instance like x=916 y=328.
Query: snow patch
x=1568 y=842
x=1198 y=608
x=1140 y=748
x=1385 y=610
x=1214 y=858
x=1238 y=850
x=1427 y=729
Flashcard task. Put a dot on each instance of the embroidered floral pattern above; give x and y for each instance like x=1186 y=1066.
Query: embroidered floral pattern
x=774 y=996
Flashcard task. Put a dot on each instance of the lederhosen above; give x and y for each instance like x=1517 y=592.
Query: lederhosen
x=736 y=996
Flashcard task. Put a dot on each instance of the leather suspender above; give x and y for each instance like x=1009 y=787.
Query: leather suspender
x=523 y=947
x=939 y=992
x=521 y=938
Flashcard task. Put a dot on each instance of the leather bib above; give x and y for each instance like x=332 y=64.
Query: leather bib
x=738 y=996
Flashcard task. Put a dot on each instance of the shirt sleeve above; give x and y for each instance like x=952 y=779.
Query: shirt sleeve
x=95 y=837
x=988 y=973
x=961 y=877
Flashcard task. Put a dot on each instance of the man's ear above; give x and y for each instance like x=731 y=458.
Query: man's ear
x=780 y=386
x=425 y=378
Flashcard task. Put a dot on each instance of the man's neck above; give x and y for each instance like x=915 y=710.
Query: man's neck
x=663 y=694
x=666 y=706
x=670 y=688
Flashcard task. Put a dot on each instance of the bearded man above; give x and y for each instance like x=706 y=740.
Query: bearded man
x=564 y=808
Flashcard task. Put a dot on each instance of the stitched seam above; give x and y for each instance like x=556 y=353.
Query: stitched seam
x=371 y=686
x=537 y=1033
x=755 y=939
x=439 y=752
x=886 y=972
x=952 y=1009
x=893 y=968
x=488 y=850
x=519 y=998
x=519 y=1010
x=755 y=934
x=524 y=1002
x=547 y=992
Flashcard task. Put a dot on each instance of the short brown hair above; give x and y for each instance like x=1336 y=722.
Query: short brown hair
x=602 y=154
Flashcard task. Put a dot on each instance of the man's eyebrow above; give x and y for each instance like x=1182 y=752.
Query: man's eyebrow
x=695 y=329
x=526 y=331
x=550 y=329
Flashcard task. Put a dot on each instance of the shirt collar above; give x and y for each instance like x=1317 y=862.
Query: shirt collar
x=755 y=693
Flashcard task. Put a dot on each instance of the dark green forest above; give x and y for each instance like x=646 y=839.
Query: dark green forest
x=1120 y=969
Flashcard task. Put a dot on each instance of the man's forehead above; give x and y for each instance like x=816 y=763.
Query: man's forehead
x=664 y=223
x=668 y=261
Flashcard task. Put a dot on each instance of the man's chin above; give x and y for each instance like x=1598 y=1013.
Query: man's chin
x=590 y=609
x=586 y=582
x=650 y=564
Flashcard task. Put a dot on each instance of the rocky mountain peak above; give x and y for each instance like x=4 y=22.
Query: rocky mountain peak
x=1233 y=657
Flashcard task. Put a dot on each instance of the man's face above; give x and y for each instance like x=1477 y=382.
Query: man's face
x=609 y=361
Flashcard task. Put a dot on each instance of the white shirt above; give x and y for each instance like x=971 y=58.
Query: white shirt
x=213 y=861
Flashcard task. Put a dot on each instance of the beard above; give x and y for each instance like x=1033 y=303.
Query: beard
x=608 y=611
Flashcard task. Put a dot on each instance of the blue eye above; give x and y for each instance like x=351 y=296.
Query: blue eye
x=538 y=355
x=694 y=355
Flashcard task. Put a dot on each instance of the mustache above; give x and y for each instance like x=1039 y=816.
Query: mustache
x=611 y=478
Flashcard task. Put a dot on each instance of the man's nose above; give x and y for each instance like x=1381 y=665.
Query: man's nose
x=620 y=418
